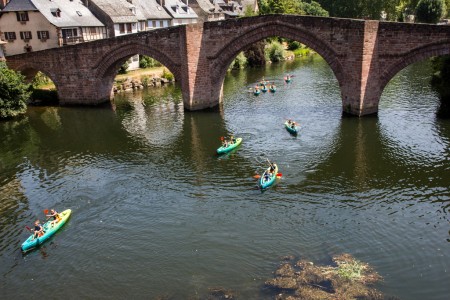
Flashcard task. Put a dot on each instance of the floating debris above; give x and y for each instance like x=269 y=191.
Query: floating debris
x=347 y=278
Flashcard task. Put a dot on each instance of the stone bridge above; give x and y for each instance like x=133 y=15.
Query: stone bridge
x=364 y=56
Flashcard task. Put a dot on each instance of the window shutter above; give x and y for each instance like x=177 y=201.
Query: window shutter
x=39 y=34
x=18 y=16
x=31 y=36
x=21 y=35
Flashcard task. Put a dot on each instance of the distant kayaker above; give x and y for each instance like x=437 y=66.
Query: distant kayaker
x=38 y=229
x=53 y=214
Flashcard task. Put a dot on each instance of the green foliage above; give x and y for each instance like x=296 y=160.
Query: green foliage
x=441 y=77
x=300 y=7
x=351 y=270
x=275 y=52
x=123 y=68
x=148 y=62
x=255 y=54
x=167 y=75
x=312 y=8
x=302 y=52
x=430 y=11
x=40 y=80
x=361 y=8
x=248 y=11
x=14 y=93
x=293 y=45
x=239 y=62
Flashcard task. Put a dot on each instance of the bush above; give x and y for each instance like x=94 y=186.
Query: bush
x=14 y=93
x=275 y=52
x=148 y=62
x=430 y=11
x=293 y=45
x=40 y=79
x=167 y=75
x=239 y=62
x=255 y=54
x=124 y=68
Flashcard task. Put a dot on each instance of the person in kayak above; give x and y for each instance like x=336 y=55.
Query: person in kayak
x=38 y=229
x=53 y=214
x=272 y=168
x=266 y=176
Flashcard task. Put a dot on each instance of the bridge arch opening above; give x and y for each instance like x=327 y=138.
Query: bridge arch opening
x=44 y=87
x=134 y=61
x=420 y=57
x=225 y=56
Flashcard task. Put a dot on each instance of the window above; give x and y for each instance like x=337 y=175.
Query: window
x=122 y=28
x=79 y=13
x=22 y=16
x=56 y=12
x=42 y=35
x=93 y=30
x=25 y=35
x=10 y=36
x=129 y=29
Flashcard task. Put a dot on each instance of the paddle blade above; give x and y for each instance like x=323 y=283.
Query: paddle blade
x=28 y=228
x=279 y=175
x=257 y=176
x=45 y=211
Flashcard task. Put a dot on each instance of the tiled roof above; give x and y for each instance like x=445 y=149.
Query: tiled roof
x=72 y=13
x=151 y=10
x=120 y=11
x=179 y=10
x=19 y=5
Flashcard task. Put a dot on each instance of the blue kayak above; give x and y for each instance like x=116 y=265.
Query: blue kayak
x=49 y=230
x=229 y=146
x=292 y=128
x=266 y=181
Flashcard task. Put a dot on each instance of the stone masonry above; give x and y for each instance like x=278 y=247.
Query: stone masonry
x=364 y=56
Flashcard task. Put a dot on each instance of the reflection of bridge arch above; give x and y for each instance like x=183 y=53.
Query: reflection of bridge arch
x=224 y=56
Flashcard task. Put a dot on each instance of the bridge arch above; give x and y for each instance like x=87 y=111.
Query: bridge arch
x=30 y=69
x=224 y=56
x=108 y=65
x=416 y=55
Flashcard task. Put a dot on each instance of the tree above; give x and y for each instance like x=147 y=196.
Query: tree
x=441 y=82
x=14 y=93
x=430 y=11
x=312 y=9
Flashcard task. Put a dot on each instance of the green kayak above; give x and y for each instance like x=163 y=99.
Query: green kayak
x=49 y=230
x=229 y=147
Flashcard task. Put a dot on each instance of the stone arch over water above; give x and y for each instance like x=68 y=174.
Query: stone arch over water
x=224 y=56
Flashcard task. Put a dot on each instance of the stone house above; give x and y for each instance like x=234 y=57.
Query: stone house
x=31 y=25
x=213 y=10
x=151 y=15
x=206 y=10
x=180 y=11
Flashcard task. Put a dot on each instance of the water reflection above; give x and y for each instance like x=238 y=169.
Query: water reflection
x=149 y=192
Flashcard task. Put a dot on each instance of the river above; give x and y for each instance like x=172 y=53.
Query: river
x=155 y=213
